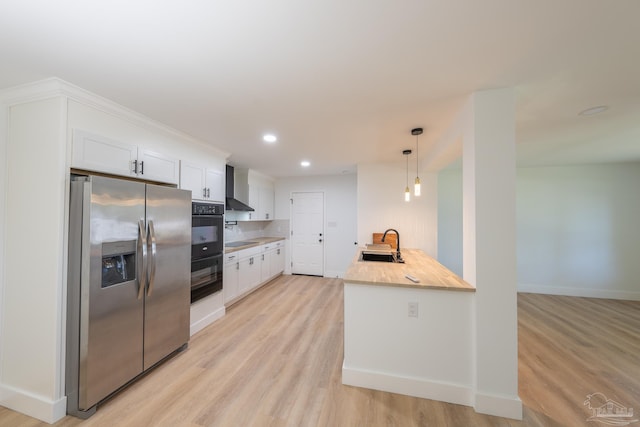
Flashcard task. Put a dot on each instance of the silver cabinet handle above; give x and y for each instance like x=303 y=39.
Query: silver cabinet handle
x=142 y=168
x=152 y=273
x=237 y=266
x=142 y=264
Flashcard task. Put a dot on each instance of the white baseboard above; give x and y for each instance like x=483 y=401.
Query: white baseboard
x=334 y=273
x=410 y=386
x=33 y=405
x=500 y=406
x=206 y=311
x=580 y=292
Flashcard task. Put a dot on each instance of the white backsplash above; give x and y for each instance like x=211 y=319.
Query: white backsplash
x=247 y=230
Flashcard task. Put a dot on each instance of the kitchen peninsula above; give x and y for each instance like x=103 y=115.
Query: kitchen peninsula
x=406 y=337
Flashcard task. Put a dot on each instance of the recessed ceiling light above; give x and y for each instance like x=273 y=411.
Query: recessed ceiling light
x=593 y=110
x=269 y=138
x=305 y=164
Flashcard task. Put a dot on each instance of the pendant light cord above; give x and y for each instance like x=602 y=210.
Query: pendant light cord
x=417 y=156
x=407 y=170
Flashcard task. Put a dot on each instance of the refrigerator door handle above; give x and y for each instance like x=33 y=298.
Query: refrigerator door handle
x=152 y=272
x=142 y=266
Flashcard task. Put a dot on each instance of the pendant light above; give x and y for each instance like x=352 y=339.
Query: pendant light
x=407 y=193
x=416 y=188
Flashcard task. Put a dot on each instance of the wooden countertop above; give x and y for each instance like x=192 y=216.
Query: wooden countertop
x=254 y=242
x=431 y=273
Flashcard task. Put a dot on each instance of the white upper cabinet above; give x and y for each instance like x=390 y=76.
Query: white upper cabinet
x=215 y=185
x=261 y=198
x=97 y=153
x=257 y=191
x=204 y=183
x=157 y=167
x=101 y=154
x=266 y=195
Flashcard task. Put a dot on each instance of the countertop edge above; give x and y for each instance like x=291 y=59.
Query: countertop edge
x=409 y=285
x=419 y=264
x=258 y=241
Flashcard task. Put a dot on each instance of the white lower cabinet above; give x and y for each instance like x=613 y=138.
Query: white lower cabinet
x=272 y=260
x=249 y=276
x=247 y=269
x=230 y=277
x=277 y=260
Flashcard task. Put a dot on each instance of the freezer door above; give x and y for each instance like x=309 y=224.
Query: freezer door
x=111 y=312
x=167 y=299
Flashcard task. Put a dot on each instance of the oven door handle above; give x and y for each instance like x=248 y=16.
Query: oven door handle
x=152 y=272
x=142 y=264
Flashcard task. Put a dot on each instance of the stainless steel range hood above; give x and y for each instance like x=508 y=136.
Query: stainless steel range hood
x=233 y=204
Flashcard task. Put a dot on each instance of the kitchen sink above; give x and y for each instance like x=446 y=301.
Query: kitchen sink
x=377 y=256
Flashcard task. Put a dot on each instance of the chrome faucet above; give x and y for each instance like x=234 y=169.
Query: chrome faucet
x=384 y=236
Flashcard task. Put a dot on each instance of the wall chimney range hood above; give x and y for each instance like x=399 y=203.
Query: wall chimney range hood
x=233 y=204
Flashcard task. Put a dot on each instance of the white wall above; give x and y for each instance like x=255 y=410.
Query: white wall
x=450 y=220
x=577 y=229
x=340 y=215
x=381 y=206
x=31 y=354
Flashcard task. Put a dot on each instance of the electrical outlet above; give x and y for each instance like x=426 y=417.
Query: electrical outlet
x=413 y=309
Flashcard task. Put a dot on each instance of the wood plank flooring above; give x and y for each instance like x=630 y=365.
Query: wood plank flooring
x=275 y=359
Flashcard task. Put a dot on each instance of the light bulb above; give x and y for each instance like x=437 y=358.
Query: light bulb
x=416 y=188
x=407 y=194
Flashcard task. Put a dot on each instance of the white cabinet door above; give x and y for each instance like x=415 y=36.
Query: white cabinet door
x=157 y=167
x=204 y=183
x=266 y=203
x=277 y=261
x=254 y=202
x=249 y=273
x=192 y=177
x=265 y=266
x=215 y=185
x=96 y=153
x=230 y=280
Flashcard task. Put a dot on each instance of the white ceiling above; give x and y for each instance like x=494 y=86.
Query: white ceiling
x=343 y=81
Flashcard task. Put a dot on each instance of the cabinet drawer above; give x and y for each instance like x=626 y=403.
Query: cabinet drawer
x=231 y=258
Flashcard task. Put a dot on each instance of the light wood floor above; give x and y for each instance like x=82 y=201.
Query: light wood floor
x=275 y=359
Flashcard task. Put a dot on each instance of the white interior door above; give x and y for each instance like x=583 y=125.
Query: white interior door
x=307 y=233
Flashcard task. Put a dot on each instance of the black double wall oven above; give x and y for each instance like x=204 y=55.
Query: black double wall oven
x=207 y=232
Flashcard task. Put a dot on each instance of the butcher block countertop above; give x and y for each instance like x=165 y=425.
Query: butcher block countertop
x=431 y=273
x=251 y=243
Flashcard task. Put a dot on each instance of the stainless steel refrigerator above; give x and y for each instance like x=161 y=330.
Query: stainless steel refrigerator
x=128 y=294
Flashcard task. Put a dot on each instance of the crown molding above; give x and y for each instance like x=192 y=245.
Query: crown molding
x=53 y=87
